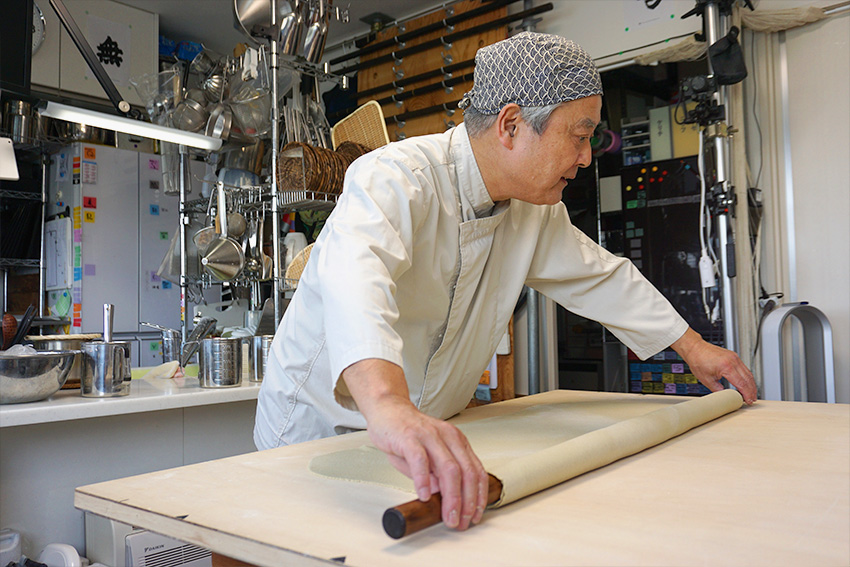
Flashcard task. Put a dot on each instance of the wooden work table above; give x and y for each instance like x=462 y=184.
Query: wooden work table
x=766 y=485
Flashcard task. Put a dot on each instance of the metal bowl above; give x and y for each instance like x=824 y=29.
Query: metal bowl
x=35 y=377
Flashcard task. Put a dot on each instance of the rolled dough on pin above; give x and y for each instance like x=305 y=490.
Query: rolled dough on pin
x=541 y=446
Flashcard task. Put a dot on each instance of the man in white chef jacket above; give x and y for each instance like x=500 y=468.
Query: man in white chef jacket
x=415 y=276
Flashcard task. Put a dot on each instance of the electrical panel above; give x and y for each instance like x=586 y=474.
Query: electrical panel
x=658 y=230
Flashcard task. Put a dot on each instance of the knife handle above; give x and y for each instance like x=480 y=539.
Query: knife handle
x=416 y=515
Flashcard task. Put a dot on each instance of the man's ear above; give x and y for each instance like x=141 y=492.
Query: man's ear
x=509 y=119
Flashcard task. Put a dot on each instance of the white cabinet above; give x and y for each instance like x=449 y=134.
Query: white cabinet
x=121 y=226
x=59 y=65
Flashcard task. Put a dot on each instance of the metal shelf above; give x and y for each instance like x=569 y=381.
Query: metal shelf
x=20 y=195
x=302 y=200
x=19 y=263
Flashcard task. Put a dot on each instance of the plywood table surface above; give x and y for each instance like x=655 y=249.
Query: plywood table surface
x=766 y=485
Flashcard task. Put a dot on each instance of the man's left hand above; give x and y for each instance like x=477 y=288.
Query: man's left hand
x=710 y=363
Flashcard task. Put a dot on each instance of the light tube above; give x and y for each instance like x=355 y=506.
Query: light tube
x=130 y=126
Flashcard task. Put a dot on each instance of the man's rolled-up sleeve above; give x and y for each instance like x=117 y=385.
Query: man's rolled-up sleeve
x=588 y=280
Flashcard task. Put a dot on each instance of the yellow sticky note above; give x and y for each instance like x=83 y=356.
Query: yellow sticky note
x=88 y=216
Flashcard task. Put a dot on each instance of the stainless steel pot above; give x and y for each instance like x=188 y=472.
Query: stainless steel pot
x=64 y=342
x=71 y=132
x=171 y=341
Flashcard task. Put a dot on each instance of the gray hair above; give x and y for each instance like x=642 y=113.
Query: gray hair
x=535 y=116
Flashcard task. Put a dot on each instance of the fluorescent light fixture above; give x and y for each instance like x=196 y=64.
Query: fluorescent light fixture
x=130 y=126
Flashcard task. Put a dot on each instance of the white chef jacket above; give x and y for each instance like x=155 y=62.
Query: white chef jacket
x=416 y=265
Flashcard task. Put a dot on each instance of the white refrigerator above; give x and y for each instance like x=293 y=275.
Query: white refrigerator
x=109 y=227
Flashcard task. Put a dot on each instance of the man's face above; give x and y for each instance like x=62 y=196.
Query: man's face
x=543 y=164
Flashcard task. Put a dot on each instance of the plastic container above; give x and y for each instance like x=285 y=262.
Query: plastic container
x=294 y=242
x=10 y=547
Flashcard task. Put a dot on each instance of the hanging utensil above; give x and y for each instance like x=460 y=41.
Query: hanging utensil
x=223 y=258
x=108 y=318
x=252 y=265
x=203 y=327
x=264 y=259
x=220 y=119
x=253 y=17
x=292 y=29
x=207 y=234
x=317 y=33
x=23 y=326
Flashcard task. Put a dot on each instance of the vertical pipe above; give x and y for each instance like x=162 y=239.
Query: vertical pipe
x=789 y=172
x=184 y=220
x=790 y=222
x=274 y=66
x=42 y=269
x=532 y=303
x=532 y=310
x=715 y=29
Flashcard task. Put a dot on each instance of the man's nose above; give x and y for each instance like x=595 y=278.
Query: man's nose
x=585 y=155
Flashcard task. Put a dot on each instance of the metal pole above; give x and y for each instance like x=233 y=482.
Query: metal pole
x=532 y=310
x=274 y=66
x=715 y=28
x=42 y=269
x=184 y=220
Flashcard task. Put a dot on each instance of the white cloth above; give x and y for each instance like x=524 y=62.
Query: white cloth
x=418 y=267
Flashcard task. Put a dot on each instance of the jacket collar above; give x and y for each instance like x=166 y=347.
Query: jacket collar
x=474 y=199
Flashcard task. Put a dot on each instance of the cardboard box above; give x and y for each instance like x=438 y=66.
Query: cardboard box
x=685 y=137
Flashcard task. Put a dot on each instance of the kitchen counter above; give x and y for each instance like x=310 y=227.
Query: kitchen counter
x=145 y=395
x=765 y=485
x=49 y=448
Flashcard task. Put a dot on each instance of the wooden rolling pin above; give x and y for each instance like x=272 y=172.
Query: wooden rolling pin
x=416 y=515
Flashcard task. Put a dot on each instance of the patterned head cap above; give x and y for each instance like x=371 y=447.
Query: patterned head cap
x=531 y=69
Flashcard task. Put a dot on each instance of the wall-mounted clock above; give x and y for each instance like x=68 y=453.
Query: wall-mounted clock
x=38 y=27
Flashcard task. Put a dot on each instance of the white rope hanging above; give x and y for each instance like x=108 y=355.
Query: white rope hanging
x=689 y=49
x=770 y=21
x=765 y=21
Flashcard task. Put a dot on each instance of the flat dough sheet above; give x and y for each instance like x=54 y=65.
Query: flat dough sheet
x=541 y=446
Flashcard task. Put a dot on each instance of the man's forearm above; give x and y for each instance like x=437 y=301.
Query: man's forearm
x=374 y=382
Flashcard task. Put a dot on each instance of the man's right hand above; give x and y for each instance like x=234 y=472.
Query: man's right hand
x=433 y=453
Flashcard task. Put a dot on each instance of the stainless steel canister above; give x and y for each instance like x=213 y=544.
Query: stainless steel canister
x=171 y=344
x=107 y=369
x=220 y=363
x=17 y=118
x=260 y=349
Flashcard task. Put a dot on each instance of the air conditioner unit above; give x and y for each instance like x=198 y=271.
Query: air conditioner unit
x=119 y=545
x=147 y=549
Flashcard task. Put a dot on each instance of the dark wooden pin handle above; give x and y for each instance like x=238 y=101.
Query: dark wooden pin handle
x=416 y=515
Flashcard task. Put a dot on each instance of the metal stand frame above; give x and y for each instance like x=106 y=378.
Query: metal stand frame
x=817 y=339
x=274 y=64
x=716 y=27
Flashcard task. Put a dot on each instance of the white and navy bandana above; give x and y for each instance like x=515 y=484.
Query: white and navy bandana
x=531 y=69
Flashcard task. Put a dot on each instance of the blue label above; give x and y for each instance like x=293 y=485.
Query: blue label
x=155 y=210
